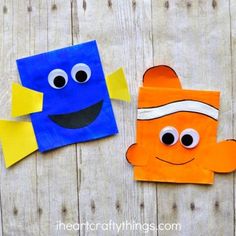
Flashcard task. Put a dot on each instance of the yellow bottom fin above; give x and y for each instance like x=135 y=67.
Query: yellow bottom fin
x=17 y=139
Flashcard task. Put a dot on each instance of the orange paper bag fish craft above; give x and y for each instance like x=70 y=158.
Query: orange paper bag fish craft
x=176 y=132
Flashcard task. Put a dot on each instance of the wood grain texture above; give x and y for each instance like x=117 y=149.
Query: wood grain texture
x=121 y=36
x=18 y=186
x=233 y=71
x=56 y=171
x=194 y=38
x=92 y=182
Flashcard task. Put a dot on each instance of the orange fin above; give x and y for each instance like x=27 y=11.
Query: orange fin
x=136 y=155
x=219 y=157
x=161 y=76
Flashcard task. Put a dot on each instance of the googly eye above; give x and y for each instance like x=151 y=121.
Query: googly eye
x=189 y=138
x=169 y=136
x=81 y=73
x=57 y=78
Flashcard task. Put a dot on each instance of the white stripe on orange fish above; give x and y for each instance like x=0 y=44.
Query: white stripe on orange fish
x=150 y=113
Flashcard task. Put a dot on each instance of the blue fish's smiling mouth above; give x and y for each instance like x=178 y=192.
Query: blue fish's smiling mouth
x=78 y=119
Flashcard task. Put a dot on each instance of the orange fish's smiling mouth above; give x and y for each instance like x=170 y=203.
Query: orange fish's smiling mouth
x=78 y=119
x=174 y=163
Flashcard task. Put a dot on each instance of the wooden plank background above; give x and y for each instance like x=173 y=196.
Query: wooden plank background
x=92 y=182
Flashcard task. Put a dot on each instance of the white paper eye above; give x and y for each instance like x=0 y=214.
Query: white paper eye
x=57 y=78
x=169 y=135
x=81 y=73
x=189 y=138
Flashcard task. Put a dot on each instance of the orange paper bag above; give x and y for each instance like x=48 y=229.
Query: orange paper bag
x=177 y=132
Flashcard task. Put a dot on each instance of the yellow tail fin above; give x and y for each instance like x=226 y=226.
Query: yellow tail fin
x=18 y=140
x=117 y=86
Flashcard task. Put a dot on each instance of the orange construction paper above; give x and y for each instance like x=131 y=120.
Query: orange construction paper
x=176 y=132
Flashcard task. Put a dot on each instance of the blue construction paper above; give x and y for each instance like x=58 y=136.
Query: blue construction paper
x=72 y=98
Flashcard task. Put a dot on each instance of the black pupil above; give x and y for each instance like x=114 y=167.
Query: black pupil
x=168 y=138
x=59 y=81
x=81 y=76
x=187 y=140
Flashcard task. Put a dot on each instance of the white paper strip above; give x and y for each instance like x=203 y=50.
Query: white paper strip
x=178 y=106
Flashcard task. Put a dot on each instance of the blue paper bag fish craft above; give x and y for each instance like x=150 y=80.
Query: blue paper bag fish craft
x=68 y=99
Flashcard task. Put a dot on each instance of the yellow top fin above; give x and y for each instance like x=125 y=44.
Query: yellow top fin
x=117 y=86
x=17 y=139
x=25 y=101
